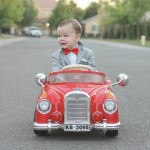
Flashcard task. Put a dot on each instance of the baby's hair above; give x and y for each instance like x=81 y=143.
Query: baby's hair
x=76 y=25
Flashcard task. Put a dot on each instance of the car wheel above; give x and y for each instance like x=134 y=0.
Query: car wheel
x=111 y=133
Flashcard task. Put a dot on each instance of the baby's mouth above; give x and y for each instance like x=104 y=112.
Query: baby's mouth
x=63 y=44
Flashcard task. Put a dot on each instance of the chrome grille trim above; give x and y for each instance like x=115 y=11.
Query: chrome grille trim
x=77 y=108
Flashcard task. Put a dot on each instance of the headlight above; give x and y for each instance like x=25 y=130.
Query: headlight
x=43 y=106
x=110 y=106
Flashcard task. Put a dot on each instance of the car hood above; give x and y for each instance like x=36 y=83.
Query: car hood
x=88 y=88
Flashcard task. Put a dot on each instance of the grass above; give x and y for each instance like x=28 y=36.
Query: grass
x=125 y=41
x=5 y=36
x=132 y=42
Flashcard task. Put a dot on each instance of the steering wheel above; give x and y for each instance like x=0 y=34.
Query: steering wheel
x=77 y=67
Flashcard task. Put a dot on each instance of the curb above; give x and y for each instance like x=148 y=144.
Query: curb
x=5 y=42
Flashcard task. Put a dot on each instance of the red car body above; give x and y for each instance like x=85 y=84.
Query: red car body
x=77 y=101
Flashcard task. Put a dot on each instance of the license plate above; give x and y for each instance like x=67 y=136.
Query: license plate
x=77 y=127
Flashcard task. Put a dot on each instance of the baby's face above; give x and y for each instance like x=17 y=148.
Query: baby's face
x=67 y=36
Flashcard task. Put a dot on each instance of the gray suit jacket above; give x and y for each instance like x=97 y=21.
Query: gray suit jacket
x=84 y=57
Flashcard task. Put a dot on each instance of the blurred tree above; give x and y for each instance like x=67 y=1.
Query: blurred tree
x=11 y=11
x=29 y=14
x=78 y=12
x=91 y=10
x=124 y=18
x=120 y=15
x=137 y=10
x=65 y=10
x=103 y=17
x=62 y=11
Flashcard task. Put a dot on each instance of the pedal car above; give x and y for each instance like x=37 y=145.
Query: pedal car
x=77 y=99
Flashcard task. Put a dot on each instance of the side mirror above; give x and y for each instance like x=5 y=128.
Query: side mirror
x=122 y=79
x=40 y=79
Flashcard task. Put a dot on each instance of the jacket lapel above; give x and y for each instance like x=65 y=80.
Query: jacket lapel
x=65 y=58
x=81 y=53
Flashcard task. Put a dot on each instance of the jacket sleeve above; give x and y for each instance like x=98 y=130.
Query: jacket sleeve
x=91 y=61
x=56 y=62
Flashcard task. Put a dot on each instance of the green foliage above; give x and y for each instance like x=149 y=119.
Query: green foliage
x=120 y=13
x=91 y=10
x=137 y=9
x=103 y=17
x=29 y=14
x=11 y=11
x=78 y=12
x=61 y=12
x=64 y=10
x=125 y=18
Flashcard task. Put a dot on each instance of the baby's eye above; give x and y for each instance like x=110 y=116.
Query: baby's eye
x=66 y=35
x=58 y=36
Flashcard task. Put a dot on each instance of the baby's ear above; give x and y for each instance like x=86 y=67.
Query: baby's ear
x=78 y=37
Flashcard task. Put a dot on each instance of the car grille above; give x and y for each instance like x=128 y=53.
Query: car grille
x=77 y=107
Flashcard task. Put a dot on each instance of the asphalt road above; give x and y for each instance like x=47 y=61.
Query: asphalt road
x=20 y=61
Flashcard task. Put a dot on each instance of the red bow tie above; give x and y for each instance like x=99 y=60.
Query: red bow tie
x=74 y=50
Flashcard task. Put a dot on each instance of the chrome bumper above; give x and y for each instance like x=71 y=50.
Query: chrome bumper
x=54 y=126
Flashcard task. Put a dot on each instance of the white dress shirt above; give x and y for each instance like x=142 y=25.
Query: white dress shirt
x=72 y=57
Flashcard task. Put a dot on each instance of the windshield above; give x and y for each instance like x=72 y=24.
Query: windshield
x=78 y=77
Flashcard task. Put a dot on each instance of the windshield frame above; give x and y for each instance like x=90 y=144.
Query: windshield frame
x=100 y=74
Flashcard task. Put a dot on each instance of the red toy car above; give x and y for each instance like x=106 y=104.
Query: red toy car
x=77 y=99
